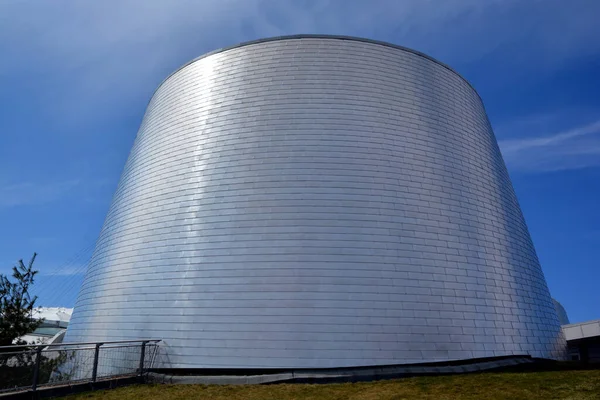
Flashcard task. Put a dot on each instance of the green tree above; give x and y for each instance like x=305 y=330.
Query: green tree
x=16 y=304
x=16 y=310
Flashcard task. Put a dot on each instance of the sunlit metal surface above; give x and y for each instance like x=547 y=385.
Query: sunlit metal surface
x=317 y=202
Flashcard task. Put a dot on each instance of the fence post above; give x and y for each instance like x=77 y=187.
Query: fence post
x=36 y=369
x=95 y=370
x=142 y=356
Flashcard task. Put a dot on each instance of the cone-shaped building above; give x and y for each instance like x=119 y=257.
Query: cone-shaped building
x=313 y=202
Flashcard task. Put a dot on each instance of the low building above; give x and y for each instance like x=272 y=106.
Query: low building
x=583 y=341
x=53 y=327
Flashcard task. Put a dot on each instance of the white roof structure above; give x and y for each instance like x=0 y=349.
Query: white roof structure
x=582 y=330
x=52 y=329
x=58 y=316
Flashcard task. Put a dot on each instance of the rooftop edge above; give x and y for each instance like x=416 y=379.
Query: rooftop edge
x=317 y=36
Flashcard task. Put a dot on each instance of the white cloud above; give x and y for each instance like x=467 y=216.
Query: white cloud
x=74 y=270
x=92 y=31
x=575 y=148
x=29 y=193
x=112 y=54
x=108 y=57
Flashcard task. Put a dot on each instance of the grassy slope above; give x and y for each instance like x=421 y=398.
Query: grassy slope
x=532 y=385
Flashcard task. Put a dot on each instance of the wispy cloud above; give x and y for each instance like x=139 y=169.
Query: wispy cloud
x=575 y=148
x=66 y=271
x=114 y=53
x=29 y=193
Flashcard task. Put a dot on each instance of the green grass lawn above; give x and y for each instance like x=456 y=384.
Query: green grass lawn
x=522 y=385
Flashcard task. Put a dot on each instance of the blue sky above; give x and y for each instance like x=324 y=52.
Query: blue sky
x=75 y=78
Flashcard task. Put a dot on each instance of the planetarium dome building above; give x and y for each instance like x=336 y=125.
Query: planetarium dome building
x=316 y=202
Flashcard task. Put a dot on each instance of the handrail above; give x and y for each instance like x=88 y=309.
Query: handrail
x=16 y=346
x=98 y=370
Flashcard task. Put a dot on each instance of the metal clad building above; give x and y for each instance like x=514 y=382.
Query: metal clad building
x=563 y=318
x=313 y=202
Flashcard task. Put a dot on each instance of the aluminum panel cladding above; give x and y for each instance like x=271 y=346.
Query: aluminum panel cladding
x=563 y=318
x=316 y=202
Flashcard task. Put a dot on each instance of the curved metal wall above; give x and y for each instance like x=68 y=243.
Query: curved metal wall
x=563 y=317
x=317 y=202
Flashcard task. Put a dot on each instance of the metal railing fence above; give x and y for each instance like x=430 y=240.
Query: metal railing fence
x=29 y=367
